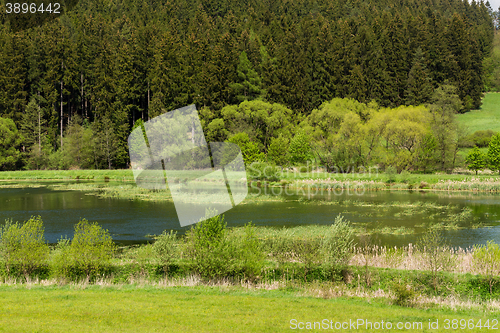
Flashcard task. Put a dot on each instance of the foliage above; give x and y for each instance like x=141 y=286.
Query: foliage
x=208 y=248
x=88 y=253
x=480 y=139
x=247 y=86
x=486 y=260
x=405 y=295
x=300 y=148
x=165 y=249
x=437 y=254
x=113 y=67
x=476 y=160
x=337 y=243
x=263 y=171
x=248 y=252
x=493 y=154
x=249 y=149
x=10 y=140
x=260 y=120
x=23 y=247
x=278 y=151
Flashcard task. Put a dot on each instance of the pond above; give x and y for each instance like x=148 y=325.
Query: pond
x=398 y=217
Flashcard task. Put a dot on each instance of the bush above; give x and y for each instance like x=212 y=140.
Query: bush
x=308 y=251
x=480 y=139
x=59 y=259
x=165 y=249
x=208 y=248
x=248 y=252
x=486 y=260
x=23 y=247
x=404 y=294
x=391 y=173
x=436 y=253
x=337 y=244
x=87 y=255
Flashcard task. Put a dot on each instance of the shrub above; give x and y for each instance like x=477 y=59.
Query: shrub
x=59 y=259
x=308 y=251
x=337 y=243
x=208 y=248
x=391 y=173
x=23 y=247
x=248 y=252
x=436 y=253
x=165 y=249
x=404 y=294
x=87 y=254
x=480 y=139
x=486 y=261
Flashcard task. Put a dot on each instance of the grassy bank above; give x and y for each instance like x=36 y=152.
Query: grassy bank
x=200 y=309
x=486 y=118
x=325 y=260
x=486 y=182
x=100 y=175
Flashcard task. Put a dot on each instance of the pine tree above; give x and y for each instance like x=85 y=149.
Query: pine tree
x=248 y=84
x=10 y=140
x=419 y=87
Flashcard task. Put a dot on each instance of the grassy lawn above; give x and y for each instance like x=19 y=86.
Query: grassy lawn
x=486 y=118
x=200 y=309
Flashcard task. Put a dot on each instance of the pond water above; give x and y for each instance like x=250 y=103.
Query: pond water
x=405 y=214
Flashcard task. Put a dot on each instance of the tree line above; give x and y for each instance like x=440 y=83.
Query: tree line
x=92 y=73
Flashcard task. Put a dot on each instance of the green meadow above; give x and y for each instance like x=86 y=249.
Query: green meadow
x=129 y=308
x=486 y=118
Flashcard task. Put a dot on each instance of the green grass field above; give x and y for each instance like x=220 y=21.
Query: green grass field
x=205 y=309
x=486 y=118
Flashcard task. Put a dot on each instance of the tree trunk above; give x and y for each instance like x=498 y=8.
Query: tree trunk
x=61 y=113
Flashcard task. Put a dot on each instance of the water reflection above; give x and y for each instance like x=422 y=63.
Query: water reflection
x=131 y=221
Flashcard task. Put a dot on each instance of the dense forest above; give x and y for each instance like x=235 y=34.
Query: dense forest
x=262 y=72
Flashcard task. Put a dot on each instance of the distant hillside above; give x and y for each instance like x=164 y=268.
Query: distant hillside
x=486 y=118
x=112 y=62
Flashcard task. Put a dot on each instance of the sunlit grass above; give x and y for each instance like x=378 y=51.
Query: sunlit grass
x=196 y=309
x=486 y=118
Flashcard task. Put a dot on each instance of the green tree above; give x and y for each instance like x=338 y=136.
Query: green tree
x=475 y=160
x=278 y=151
x=248 y=85
x=419 y=87
x=493 y=155
x=300 y=148
x=10 y=140
x=427 y=157
x=249 y=149
x=33 y=129
x=260 y=120
x=208 y=247
x=444 y=106
x=79 y=144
